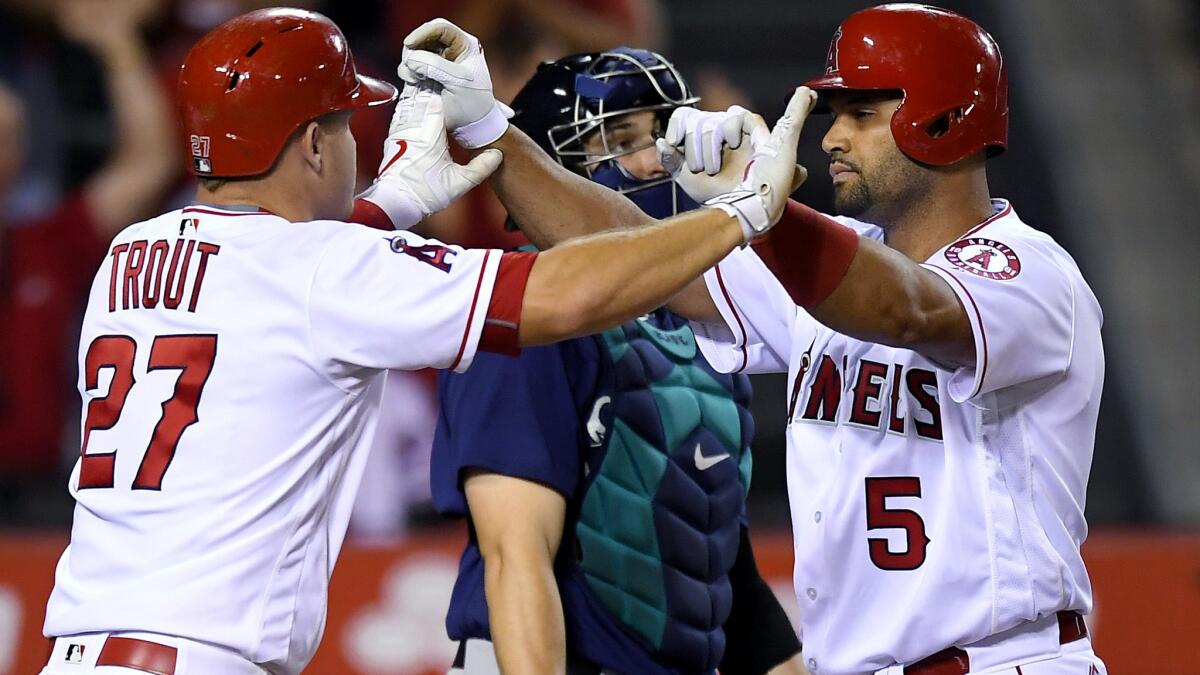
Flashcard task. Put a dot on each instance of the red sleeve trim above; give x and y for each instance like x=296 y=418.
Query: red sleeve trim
x=737 y=317
x=981 y=359
x=501 y=329
x=808 y=252
x=462 y=346
x=367 y=213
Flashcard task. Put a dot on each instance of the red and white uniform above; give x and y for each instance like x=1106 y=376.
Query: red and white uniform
x=934 y=507
x=231 y=367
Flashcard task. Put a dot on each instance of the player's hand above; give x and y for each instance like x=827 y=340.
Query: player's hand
x=772 y=173
x=447 y=55
x=418 y=177
x=706 y=153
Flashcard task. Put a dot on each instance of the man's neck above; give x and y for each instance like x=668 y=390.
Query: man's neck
x=939 y=218
x=293 y=208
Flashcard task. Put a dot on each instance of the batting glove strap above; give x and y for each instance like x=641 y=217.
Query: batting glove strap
x=749 y=208
x=486 y=130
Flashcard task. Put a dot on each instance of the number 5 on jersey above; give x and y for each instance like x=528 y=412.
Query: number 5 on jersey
x=880 y=516
x=191 y=355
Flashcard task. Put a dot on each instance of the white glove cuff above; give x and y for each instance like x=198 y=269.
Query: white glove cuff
x=748 y=207
x=483 y=131
x=399 y=206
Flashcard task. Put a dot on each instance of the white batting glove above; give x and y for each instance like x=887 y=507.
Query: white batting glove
x=448 y=55
x=772 y=173
x=706 y=153
x=418 y=177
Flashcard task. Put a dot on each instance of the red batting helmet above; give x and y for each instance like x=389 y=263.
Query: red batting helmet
x=252 y=81
x=950 y=71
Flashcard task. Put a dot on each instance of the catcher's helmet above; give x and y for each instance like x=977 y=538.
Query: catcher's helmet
x=953 y=79
x=252 y=81
x=570 y=100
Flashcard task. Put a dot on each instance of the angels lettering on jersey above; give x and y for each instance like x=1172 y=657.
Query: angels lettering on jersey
x=892 y=397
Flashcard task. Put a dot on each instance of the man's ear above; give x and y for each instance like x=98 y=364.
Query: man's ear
x=310 y=146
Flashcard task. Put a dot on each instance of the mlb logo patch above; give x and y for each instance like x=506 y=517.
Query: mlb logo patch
x=202 y=165
x=74 y=653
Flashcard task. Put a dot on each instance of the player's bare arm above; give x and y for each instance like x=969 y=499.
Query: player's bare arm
x=888 y=298
x=855 y=285
x=142 y=163
x=519 y=525
x=581 y=288
x=550 y=203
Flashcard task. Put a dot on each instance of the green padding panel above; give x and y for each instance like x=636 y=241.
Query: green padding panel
x=620 y=554
x=617 y=344
x=688 y=397
x=745 y=468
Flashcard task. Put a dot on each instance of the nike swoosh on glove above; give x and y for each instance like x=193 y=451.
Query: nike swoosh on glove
x=418 y=177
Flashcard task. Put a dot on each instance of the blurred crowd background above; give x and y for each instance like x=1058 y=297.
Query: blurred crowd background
x=1104 y=155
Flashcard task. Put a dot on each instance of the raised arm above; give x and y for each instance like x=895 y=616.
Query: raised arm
x=595 y=282
x=552 y=204
x=854 y=285
x=144 y=159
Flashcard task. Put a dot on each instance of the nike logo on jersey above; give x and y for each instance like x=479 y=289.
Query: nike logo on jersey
x=596 y=428
x=705 y=463
x=401 y=148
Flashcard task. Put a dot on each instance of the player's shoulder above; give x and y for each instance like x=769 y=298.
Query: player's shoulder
x=1004 y=245
x=150 y=228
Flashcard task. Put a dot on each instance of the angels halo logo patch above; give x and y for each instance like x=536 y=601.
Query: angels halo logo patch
x=983 y=257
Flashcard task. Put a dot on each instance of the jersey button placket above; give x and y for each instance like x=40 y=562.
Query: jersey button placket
x=812 y=665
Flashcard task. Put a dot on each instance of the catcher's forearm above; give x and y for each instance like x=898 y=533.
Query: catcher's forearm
x=550 y=203
x=596 y=282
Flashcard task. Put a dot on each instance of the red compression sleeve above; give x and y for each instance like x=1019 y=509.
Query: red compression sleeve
x=808 y=252
x=366 y=213
x=503 y=323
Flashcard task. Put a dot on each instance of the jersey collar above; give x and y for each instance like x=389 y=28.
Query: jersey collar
x=1000 y=209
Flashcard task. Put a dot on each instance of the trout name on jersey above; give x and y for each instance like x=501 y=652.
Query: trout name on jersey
x=895 y=397
x=147 y=275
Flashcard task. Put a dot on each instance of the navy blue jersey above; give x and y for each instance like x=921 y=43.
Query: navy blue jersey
x=643 y=392
x=527 y=416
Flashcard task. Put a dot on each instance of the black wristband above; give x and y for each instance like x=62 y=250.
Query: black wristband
x=758 y=633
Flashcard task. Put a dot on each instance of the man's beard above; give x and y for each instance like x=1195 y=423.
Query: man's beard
x=852 y=199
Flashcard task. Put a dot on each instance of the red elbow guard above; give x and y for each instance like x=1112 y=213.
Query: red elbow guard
x=808 y=253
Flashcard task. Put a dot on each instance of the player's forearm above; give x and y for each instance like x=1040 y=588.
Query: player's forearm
x=889 y=299
x=525 y=614
x=550 y=203
x=594 y=283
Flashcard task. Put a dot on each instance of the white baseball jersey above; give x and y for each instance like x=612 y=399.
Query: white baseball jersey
x=231 y=367
x=931 y=507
